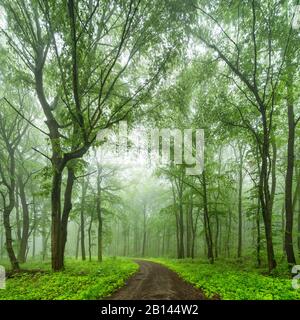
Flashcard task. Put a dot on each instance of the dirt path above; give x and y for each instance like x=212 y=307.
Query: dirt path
x=154 y=281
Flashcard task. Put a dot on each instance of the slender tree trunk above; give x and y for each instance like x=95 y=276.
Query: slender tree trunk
x=82 y=222
x=1 y=238
x=265 y=196
x=8 y=239
x=63 y=221
x=25 y=224
x=33 y=244
x=136 y=247
x=17 y=206
x=90 y=235
x=124 y=241
x=194 y=233
x=100 y=244
x=144 y=232
x=289 y=212
x=128 y=241
x=273 y=170
x=228 y=233
x=240 y=217
x=45 y=245
x=77 y=243
x=298 y=225
x=181 y=231
x=56 y=259
x=8 y=208
x=296 y=205
x=258 y=239
x=163 y=241
x=216 y=235
x=189 y=223
x=177 y=233
x=99 y=215
x=207 y=227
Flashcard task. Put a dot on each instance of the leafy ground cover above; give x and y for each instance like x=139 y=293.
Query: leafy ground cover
x=231 y=281
x=80 y=280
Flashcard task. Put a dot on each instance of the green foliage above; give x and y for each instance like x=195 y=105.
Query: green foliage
x=80 y=281
x=232 y=282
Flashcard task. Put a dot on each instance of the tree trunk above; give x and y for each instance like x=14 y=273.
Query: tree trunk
x=298 y=225
x=144 y=232
x=8 y=208
x=56 y=257
x=216 y=235
x=181 y=231
x=82 y=224
x=289 y=211
x=65 y=215
x=189 y=221
x=77 y=243
x=100 y=226
x=194 y=233
x=240 y=217
x=8 y=239
x=163 y=241
x=90 y=235
x=207 y=227
x=228 y=233
x=265 y=196
x=25 y=225
x=258 y=239
x=33 y=244
x=177 y=231
x=99 y=215
x=17 y=206
x=1 y=240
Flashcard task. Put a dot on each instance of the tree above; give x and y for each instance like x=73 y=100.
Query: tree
x=11 y=132
x=78 y=104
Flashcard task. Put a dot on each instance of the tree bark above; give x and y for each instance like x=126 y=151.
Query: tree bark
x=298 y=225
x=82 y=222
x=258 y=238
x=289 y=211
x=65 y=214
x=194 y=233
x=144 y=232
x=56 y=257
x=25 y=224
x=90 y=235
x=8 y=207
x=207 y=227
x=240 y=192
x=77 y=243
x=99 y=215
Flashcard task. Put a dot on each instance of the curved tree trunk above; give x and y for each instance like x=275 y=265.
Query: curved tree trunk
x=8 y=208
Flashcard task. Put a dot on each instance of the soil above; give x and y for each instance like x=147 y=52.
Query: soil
x=156 y=282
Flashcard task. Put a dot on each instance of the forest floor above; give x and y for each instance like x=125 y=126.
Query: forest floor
x=156 y=278
x=154 y=281
x=81 y=280
x=235 y=279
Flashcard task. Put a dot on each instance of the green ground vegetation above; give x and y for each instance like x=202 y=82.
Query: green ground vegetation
x=235 y=279
x=81 y=280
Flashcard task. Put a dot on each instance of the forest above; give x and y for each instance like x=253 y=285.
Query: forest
x=149 y=135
